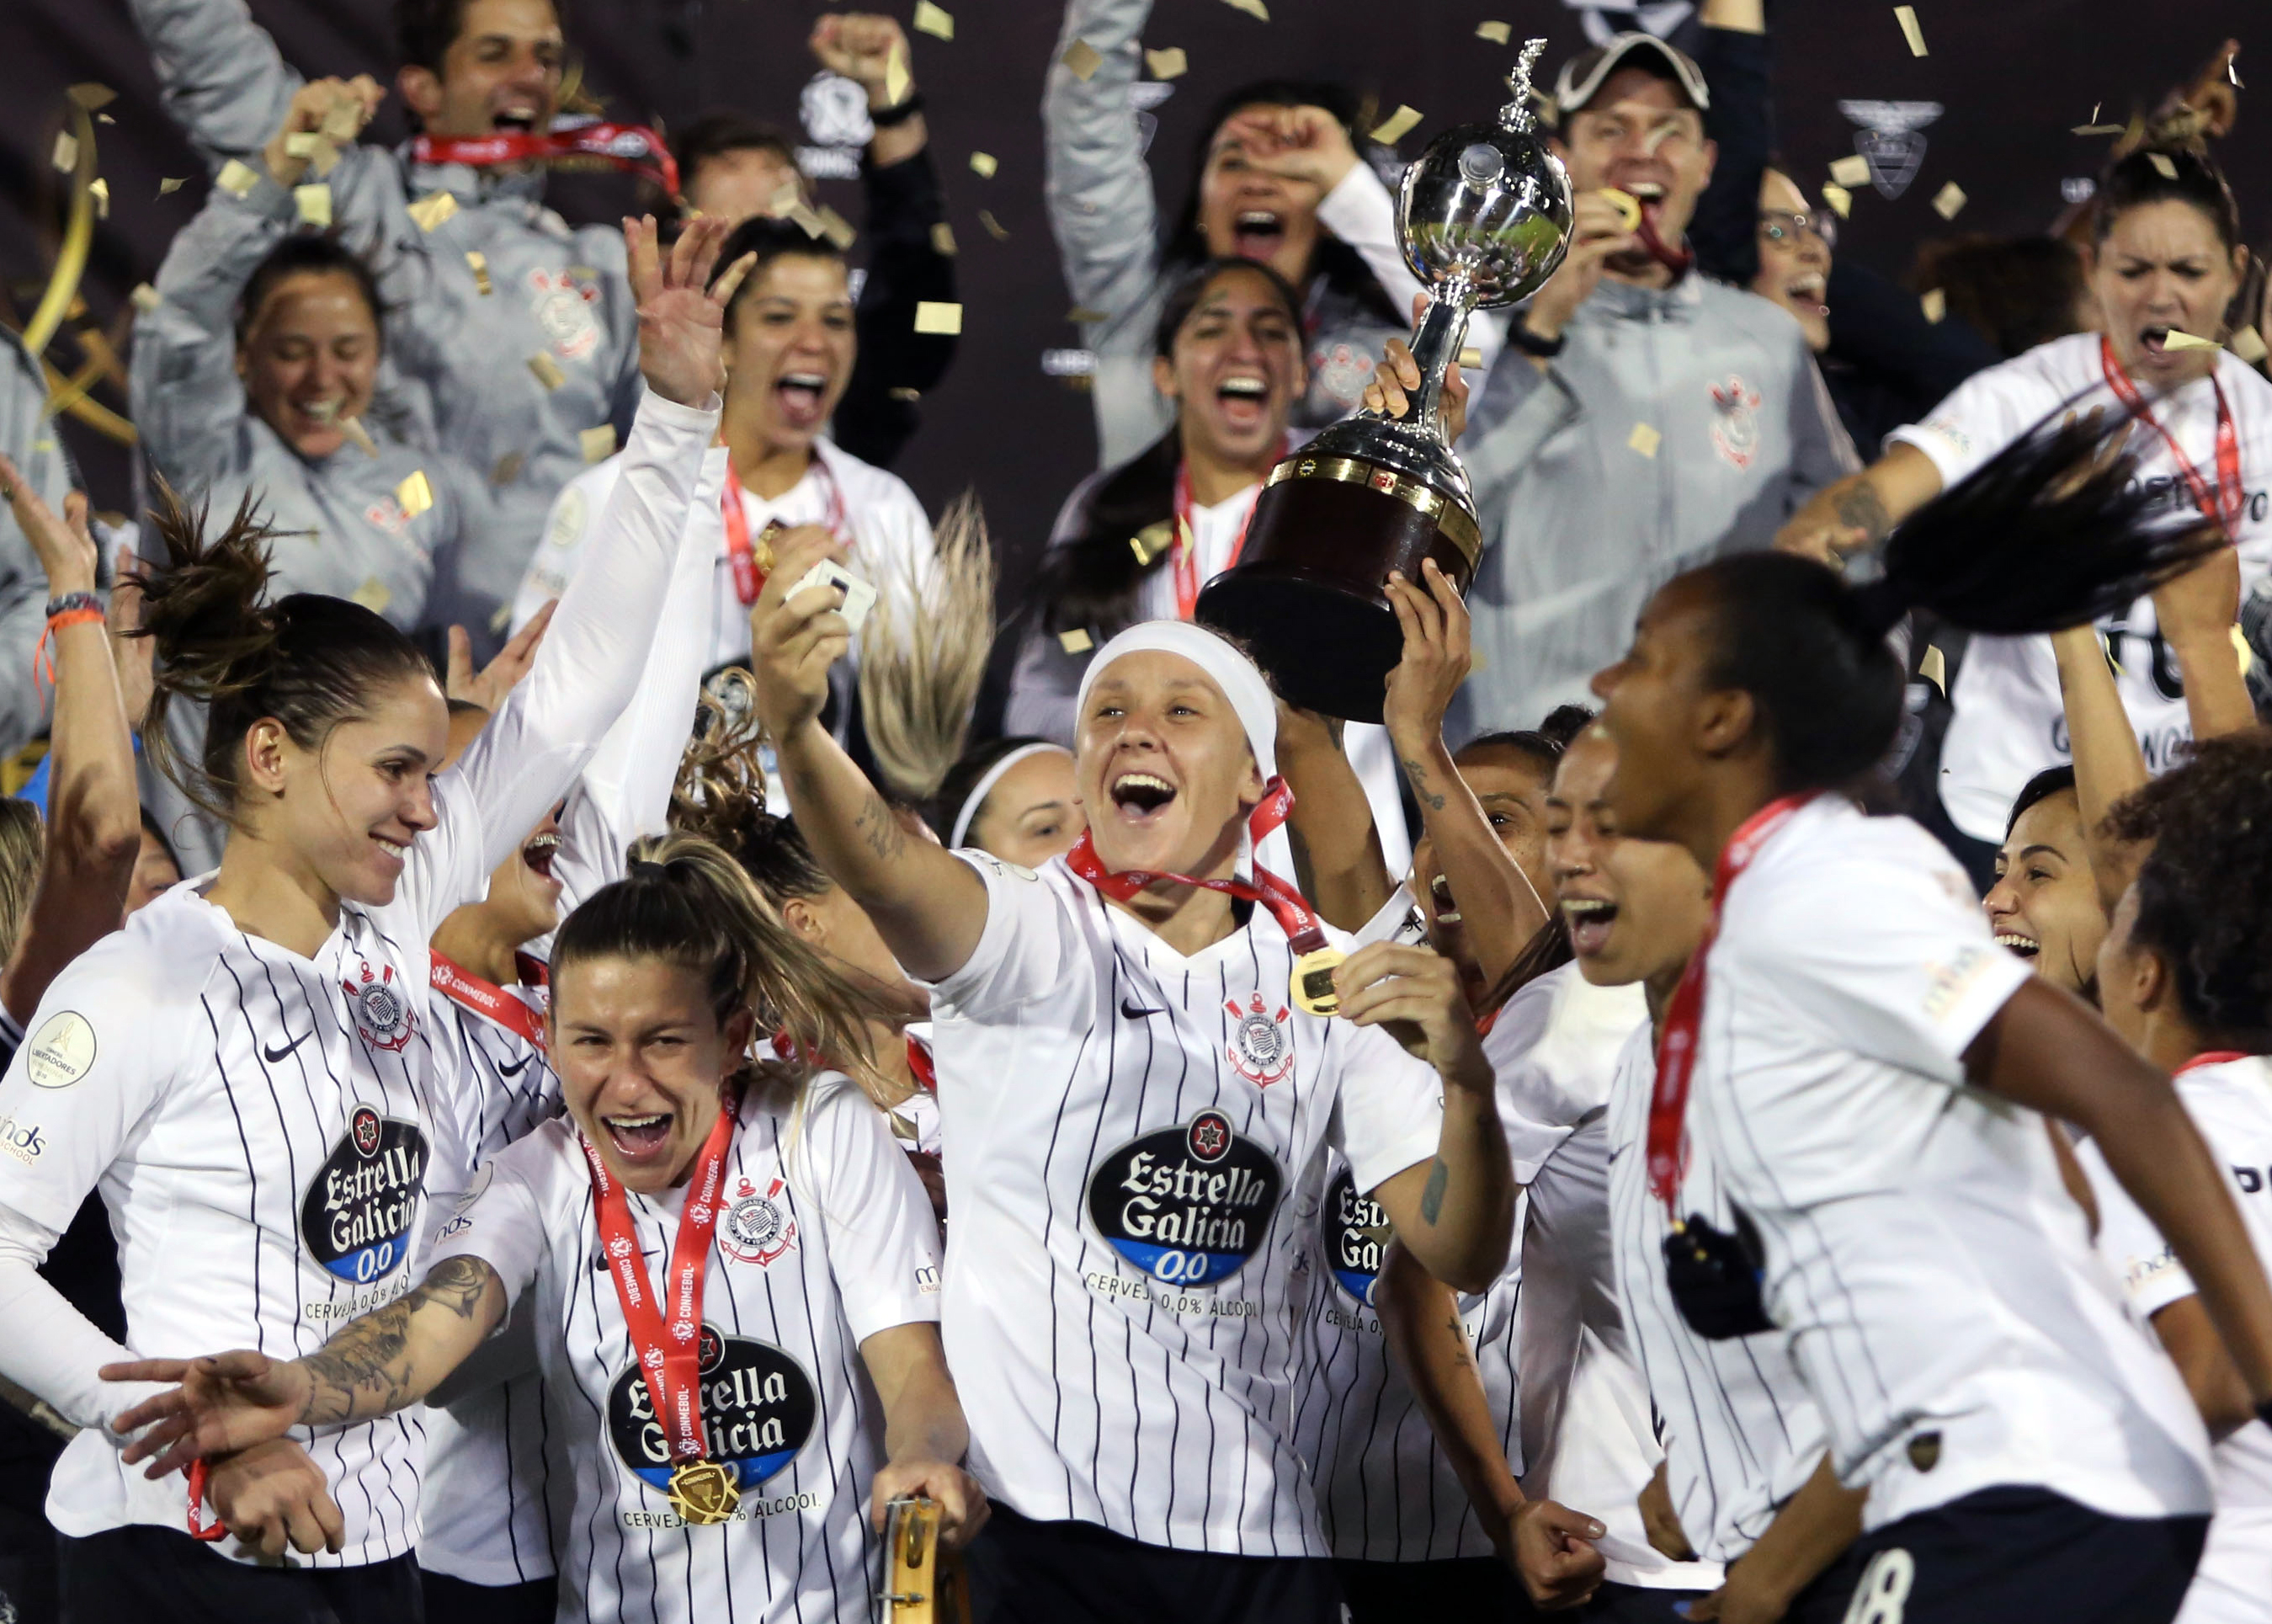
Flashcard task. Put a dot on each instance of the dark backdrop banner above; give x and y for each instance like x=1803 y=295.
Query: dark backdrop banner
x=2010 y=78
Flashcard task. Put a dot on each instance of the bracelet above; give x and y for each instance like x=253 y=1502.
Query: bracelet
x=891 y=117
x=64 y=602
x=43 y=668
x=1531 y=344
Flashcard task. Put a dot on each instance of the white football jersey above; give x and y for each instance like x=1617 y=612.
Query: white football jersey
x=2231 y=1102
x=1123 y=1127
x=1740 y=1432
x=824 y=1239
x=2008 y=723
x=1935 y=1278
x=262 y=1125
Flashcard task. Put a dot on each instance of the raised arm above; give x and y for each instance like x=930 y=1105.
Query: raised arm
x=2196 y=613
x=1337 y=853
x=1855 y=513
x=1099 y=191
x=219 y=75
x=94 y=815
x=374 y=1366
x=2108 y=764
x=928 y=906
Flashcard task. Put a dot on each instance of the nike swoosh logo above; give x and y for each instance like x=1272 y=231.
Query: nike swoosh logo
x=517 y=1067
x=1130 y=1013
x=273 y=1055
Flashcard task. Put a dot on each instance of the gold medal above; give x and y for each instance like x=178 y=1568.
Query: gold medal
x=1626 y=204
x=704 y=1491
x=1313 y=981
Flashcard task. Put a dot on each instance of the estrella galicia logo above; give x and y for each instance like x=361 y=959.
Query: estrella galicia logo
x=1188 y=1205
x=1356 y=1233
x=757 y=1411
x=364 y=1201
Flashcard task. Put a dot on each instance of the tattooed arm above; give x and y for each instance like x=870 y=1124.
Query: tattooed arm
x=373 y=1365
x=929 y=907
x=1857 y=512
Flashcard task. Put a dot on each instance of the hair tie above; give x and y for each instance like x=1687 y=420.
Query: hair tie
x=646 y=871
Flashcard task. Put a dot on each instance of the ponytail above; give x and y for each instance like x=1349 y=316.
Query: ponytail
x=688 y=903
x=721 y=796
x=309 y=661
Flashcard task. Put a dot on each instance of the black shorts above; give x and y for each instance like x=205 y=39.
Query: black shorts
x=1467 y=1587
x=2009 y=1554
x=460 y=1601
x=1025 y=1572
x=145 y=1573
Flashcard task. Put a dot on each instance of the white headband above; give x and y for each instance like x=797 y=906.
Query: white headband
x=1232 y=671
x=969 y=813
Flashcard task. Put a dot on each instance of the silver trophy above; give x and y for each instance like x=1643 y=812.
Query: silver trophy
x=1483 y=216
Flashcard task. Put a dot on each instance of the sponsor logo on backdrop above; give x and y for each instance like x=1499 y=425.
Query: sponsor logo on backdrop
x=1888 y=139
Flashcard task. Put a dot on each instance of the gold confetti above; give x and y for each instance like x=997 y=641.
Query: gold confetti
x=1497 y=33
x=313 y=203
x=373 y=594
x=100 y=192
x=797 y=215
x=2188 y=340
x=1150 y=542
x=1396 y=126
x=983 y=165
x=343 y=122
x=933 y=20
x=1253 y=8
x=352 y=427
x=905 y=394
x=942 y=239
x=1644 y=440
x=2162 y=167
x=1471 y=357
x=1934 y=302
x=2097 y=130
x=898 y=81
x=2248 y=344
x=478 y=263
x=1840 y=199
x=91 y=96
x=1168 y=62
x=1906 y=15
x=65 y=156
x=1934 y=667
x=415 y=494
x=104 y=118
x=1948 y=202
x=598 y=445
x=2240 y=646
x=168 y=187
x=994 y=228
x=432 y=209
x=1851 y=171
x=836 y=229
x=1080 y=315
x=301 y=143
x=507 y=470
x=933 y=315
x=1080 y=642
x=237 y=178
x=1082 y=59
x=144 y=297
x=547 y=370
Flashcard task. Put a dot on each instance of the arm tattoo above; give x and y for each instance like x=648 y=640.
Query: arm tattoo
x=1431 y=1197
x=1418 y=776
x=881 y=830
x=366 y=1369
x=1864 y=509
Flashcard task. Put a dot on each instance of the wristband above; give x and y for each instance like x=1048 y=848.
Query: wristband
x=62 y=604
x=891 y=117
x=74 y=612
x=1531 y=344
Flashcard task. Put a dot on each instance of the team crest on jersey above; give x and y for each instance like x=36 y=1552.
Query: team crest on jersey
x=758 y=1407
x=756 y=1229
x=361 y=1205
x=1736 y=421
x=1189 y=1204
x=1261 y=1047
x=382 y=1014
x=1356 y=1233
x=563 y=308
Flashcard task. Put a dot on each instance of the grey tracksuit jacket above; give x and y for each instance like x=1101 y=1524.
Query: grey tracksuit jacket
x=343 y=526
x=32 y=443
x=464 y=364
x=1676 y=425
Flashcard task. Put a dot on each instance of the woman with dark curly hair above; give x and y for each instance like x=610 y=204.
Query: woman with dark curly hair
x=2183 y=974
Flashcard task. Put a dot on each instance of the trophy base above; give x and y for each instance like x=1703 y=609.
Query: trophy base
x=1307 y=593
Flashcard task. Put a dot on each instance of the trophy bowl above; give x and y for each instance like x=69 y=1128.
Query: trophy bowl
x=1482 y=216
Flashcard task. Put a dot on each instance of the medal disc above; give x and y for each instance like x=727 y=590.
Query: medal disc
x=704 y=1491
x=1626 y=204
x=1313 y=981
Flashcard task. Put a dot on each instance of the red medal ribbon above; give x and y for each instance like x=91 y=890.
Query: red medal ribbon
x=1676 y=1050
x=1303 y=931
x=634 y=148
x=211 y=1531
x=922 y=1066
x=2210 y=1056
x=1186 y=556
x=669 y=1356
x=2225 y=502
x=748 y=580
x=462 y=987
